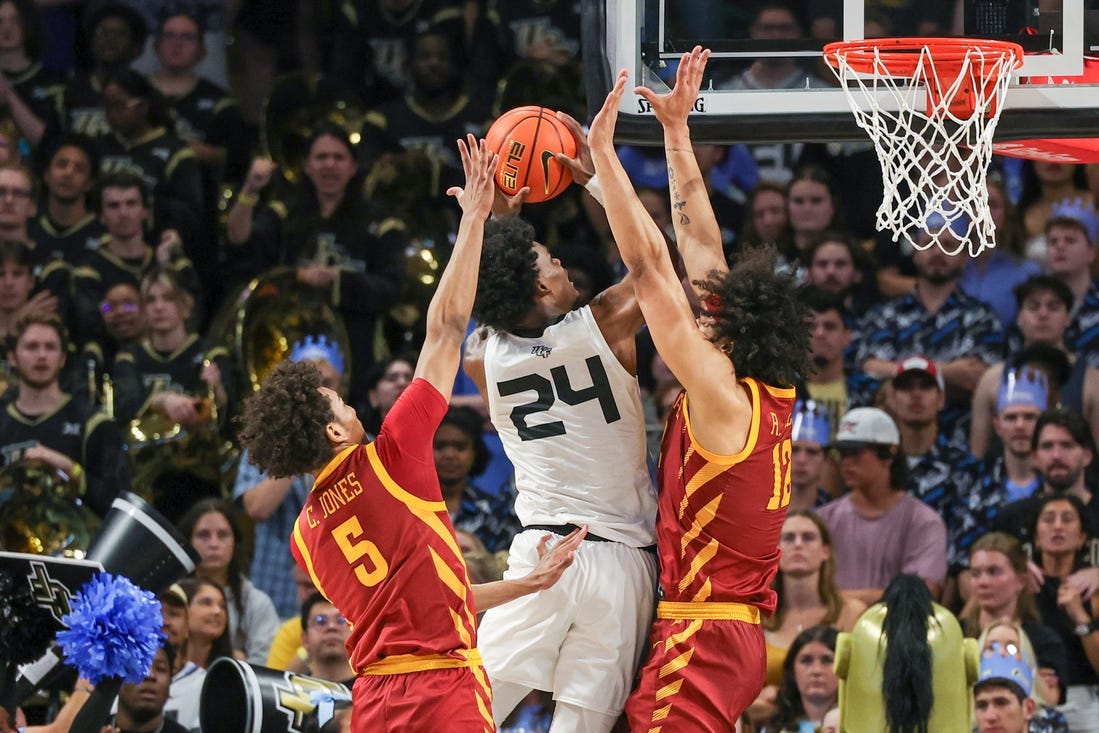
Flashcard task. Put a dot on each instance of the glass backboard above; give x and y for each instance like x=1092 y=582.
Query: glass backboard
x=767 y=81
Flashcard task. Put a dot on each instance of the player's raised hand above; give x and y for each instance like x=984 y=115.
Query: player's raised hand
x=504 y=205
x=674 y=106
x=479 y=165
x=581 y=167
x=601 y=132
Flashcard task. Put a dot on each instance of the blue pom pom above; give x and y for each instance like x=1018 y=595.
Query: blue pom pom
x=113 y=630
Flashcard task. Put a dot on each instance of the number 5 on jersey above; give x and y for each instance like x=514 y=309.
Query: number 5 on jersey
x=780 y=457
x=344 y=535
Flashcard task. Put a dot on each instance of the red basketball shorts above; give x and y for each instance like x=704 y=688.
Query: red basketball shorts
x=434 y=700
x=700 y=676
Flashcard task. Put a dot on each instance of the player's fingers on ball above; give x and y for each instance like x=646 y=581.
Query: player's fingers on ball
x=571 y=123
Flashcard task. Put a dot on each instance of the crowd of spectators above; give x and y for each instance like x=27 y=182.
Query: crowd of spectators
x=947 y=430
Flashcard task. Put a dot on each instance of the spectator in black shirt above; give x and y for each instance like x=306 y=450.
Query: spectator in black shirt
x=435 y=112
x=141 y=705
x=117 y=35
x=1063 y=450
x=30 y=92
x=45 y=423
x=143 y=142
x=17 y=206
x=205 y=116
x=66 y=227
x=327 y=231
x=124 y=255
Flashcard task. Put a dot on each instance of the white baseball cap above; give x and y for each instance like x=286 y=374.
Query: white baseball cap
x=866 y=426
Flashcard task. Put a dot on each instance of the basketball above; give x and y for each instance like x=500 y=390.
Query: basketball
x=526 y=139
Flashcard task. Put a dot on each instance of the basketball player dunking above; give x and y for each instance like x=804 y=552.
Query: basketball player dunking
x=562 y=392
x=375 y=534
x=724 y=480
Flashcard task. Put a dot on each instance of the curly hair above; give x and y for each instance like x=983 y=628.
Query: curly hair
x=758 y=313
x=282 y=425
x=506 y=283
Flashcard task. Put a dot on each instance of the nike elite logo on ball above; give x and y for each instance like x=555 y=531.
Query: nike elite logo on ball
x=547 y=156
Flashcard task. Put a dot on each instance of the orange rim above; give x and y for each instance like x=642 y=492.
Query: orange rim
x=901 y=56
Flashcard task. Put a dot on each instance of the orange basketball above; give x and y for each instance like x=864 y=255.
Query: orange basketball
x=526 y=139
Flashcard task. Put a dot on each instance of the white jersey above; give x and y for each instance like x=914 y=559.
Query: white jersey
x=570 y=419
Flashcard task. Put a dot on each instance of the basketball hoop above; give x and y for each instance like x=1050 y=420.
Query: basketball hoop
x=933 y=134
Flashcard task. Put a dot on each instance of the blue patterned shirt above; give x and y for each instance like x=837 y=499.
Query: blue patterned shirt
x=491 y=517
x=963 y=326
x=272 y=564
x=1082 y=334
x=948 y=480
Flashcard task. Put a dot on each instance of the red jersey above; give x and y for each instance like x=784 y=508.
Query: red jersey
x=376 y=538
x=720 y=517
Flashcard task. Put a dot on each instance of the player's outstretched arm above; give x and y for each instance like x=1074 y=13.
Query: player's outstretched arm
x=697 y=233
x=615 y=309
x=448 y=314
x=658 y=287
x=551 y=564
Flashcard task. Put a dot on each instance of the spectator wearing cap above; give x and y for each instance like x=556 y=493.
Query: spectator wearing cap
x=810 y=434
x=1072 y=233
x=274 y=503
x=1045 y=311
x=185 y=691
x=116 y=35
x=940 y=474
x=941 y=321
x=1009 y=476
x=1001 y=696
x=881 y=530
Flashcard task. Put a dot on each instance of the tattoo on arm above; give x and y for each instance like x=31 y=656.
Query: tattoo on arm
x=678 y=204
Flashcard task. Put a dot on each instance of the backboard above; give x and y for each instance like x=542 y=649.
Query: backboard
x=767 y=82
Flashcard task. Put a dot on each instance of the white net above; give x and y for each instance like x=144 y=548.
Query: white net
x=932 y=129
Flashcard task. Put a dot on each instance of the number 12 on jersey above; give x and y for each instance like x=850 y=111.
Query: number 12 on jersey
x=780 y=458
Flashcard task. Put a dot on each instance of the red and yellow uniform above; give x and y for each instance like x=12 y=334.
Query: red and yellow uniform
x=718 y=525
x=376 y=538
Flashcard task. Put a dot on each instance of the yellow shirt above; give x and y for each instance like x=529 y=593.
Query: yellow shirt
x=833 y=396
x=776 y=656
x=286 y=645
